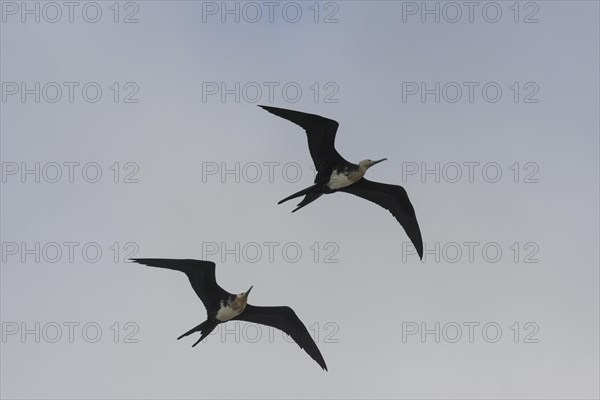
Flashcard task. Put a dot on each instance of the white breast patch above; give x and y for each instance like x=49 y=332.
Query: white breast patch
x=226 y=313
x=338 y=181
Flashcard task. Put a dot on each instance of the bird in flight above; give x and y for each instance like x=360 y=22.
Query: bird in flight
x=222 y=306
x=335 y=174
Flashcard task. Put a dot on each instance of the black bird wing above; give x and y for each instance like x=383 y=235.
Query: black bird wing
x=321 y=136
x=200 y=273
x=286 y=320
x=394 y=199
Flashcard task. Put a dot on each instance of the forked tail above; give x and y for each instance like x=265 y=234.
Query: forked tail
x=309 y=198
x=310 y=194
x=205 y=329
x=298 y=194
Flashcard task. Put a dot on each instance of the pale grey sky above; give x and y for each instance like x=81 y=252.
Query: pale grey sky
x=515 y=254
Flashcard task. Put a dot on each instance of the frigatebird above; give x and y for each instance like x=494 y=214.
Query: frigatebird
x=335 y=174
x=222 y=306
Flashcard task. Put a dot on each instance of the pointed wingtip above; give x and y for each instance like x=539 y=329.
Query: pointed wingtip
x=142 y=261
x=321 y=362
x=420 y=251
x=269 y=109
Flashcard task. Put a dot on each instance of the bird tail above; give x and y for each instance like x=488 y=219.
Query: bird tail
x=205 y=329
x=309 y=198
x=298 y=194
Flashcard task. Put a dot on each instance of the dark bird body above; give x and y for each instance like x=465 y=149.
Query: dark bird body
x=335 y=174
x=222 y=306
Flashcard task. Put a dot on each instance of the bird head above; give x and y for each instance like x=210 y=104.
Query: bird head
x=244 y=295
x=366 y=164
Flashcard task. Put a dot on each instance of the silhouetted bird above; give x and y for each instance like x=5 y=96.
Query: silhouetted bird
x=335 y=174
x=222 y=306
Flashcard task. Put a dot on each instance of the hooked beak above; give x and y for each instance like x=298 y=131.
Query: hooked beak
x=378 y=161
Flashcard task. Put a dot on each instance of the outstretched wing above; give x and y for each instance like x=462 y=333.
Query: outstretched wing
x=200 y=273
x=285 y=319
x=320 y=132
x=394 y=199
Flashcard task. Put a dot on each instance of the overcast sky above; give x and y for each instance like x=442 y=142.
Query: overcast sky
x=133 y=130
